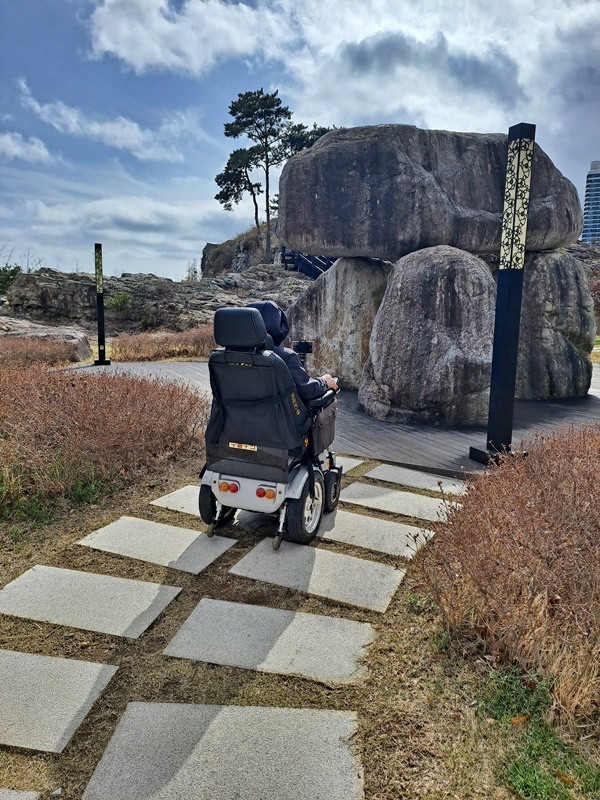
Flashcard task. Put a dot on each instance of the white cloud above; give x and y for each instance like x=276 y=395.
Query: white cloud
x=149 y=34
x=120 y=133
x=14 y=146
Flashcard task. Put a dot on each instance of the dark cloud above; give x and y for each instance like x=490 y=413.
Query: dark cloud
x=495 y=74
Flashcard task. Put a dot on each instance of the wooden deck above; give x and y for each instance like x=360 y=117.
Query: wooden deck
x=441 y=450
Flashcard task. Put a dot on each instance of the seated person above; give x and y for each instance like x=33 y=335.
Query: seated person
x=278 y=328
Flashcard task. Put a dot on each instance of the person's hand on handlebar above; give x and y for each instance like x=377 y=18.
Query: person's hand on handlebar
x=331 y=382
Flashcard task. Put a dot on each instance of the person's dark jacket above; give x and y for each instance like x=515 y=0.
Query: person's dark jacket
x=278 y=328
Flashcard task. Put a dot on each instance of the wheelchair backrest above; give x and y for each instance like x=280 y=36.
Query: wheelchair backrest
x=257 y=413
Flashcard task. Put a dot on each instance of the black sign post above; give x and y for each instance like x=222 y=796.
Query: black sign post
x=101 y=360
x=521 y=139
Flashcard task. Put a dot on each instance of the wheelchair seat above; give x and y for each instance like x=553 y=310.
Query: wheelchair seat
x=257 y=421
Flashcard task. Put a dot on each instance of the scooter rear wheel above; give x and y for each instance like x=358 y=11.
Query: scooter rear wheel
x=207 y=506
x=304 y=514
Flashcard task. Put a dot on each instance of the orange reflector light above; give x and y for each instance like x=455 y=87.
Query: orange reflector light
x=269 y=494
x=224 y=486
x=233 y=487
x=260 y=492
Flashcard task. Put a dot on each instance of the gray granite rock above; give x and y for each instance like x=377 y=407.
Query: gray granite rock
x=43 y=700
x=383 y=191
x=272 y=640
x=176 y=751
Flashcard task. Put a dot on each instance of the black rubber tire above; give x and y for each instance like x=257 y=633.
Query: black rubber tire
x=207 y=506
x=332 y=490
x=298 y=510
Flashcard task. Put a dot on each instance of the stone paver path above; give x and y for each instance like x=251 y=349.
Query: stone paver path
x=372 y=533
x=347 y=463
x=420 y=480
x=43 y=700
x=394 y=501
x=167 y=545
x=175 y=751
x=339 y=577
x=271 y=640
x=85 y=600
x=184 y=500
x=9 y=794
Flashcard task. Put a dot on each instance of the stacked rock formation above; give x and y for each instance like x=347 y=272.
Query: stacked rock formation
x=432 y=202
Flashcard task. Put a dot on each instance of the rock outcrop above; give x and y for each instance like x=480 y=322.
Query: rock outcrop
x=431 y=346
x=57 y=297
x=21 y=328
x=387 y=190
x=557 y=328
x=337 y=311
x=239 y=254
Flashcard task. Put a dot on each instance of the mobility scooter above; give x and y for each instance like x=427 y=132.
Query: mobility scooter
x=266 y=450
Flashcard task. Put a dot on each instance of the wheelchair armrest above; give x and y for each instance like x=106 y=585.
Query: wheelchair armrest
x=323 y=401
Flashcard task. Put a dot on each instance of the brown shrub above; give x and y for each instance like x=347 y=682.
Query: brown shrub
x=519 y=563
x=193 y=343
x=17 y=351
x=60 y=428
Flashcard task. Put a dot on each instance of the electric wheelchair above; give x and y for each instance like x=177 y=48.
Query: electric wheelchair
x=266 y=450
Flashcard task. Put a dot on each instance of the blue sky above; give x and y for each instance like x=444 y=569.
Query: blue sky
x=112 y=111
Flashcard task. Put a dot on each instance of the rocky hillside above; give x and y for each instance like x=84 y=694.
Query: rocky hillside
x=244 y=251
x=135 y=302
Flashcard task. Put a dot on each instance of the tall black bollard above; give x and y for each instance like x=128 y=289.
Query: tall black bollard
x=101 y=360
x=521 y=139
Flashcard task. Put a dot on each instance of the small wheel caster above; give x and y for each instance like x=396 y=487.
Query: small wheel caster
x=277 y=542
x=210 y=531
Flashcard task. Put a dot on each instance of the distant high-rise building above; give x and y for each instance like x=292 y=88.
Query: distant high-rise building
x=591 y=206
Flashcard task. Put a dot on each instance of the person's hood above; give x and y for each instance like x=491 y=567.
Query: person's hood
x=274 y=318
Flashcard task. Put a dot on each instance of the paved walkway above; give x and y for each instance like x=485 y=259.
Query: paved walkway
x=438 y=450
x=183 y=750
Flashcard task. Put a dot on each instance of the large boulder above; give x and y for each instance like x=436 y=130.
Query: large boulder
x=387 y=190
x=431 y=346
x=557 y=328
x=338 y=311
x=74 y=338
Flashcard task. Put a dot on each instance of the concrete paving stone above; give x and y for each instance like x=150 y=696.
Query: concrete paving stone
x=177 y=751
x=167 y=545
x=345 y=579
x=420 y=480
x=86 y=600
x=9 y=794
x=184 y=500
x=272 y=640
x=394 y=501
x=394 y=538
x=347 y=463
x=43 y=700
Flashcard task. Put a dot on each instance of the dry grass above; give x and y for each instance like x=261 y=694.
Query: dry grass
x=23 y=351
x=518 y=564
x=64 y=432
x=193 y=343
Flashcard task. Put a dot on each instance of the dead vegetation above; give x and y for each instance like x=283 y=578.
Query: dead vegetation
x=23 y=351
x=518 y=564
x=193 y=343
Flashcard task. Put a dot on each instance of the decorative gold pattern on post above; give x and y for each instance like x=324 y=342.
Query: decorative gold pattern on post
x=516 y=203
x=98 y=264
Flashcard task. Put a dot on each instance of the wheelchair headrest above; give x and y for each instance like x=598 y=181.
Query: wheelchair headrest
x=239 y=328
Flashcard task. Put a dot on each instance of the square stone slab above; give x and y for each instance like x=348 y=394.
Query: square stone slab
x=345 y=579
x=373 y=533
x=167 y=545
x=9 y=794
x=184 y=500
x=86 y=600
x=394 y=501
x=43 y=700
x=272 y=640
x=347 y=463
x=177 y=751
x=420 y=480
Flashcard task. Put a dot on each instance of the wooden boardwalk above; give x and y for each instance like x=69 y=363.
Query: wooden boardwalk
x=441 y=450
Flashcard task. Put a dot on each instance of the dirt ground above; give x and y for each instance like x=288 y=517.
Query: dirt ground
x=418 y=734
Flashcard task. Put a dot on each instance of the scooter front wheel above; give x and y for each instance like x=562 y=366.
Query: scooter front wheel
x=305 y=513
